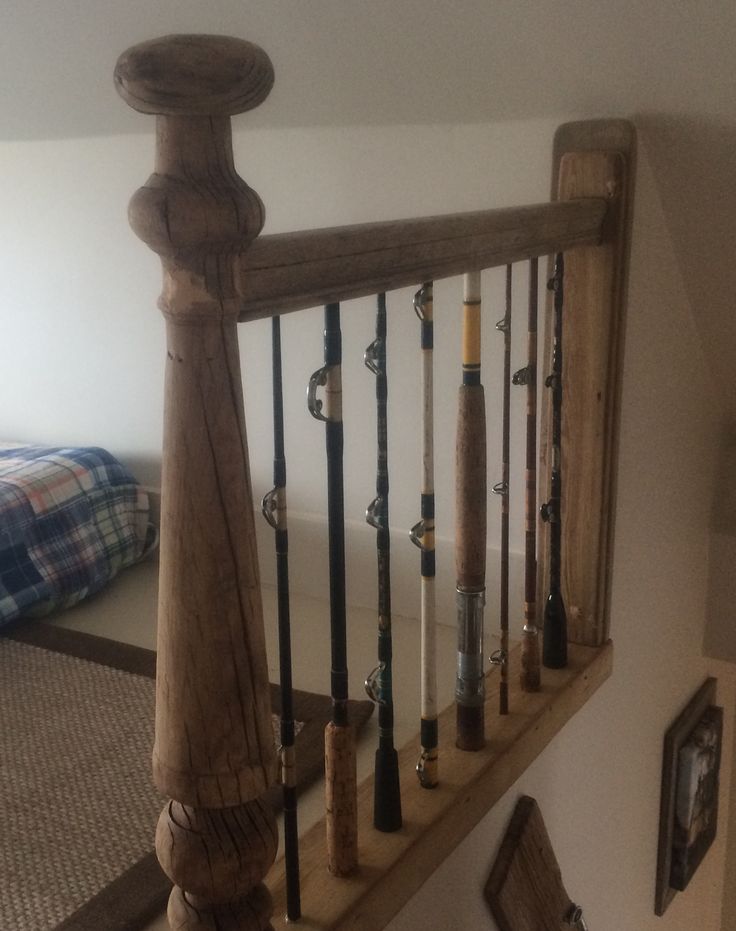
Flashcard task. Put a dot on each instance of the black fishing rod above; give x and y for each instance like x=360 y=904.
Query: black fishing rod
x=340 y=775
x=274 y=510
x=530 y=678
x=387 y=794
x=554 y=643
x=500 y=656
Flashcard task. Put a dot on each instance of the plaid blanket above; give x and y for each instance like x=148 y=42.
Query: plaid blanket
x=70 y=520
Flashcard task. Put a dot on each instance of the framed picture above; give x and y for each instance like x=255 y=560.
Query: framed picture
x=689 y=805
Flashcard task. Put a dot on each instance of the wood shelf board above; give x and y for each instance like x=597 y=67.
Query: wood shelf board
x=394 y=866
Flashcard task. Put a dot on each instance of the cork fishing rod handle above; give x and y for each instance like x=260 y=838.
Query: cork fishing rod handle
x=341 y=812
x=341 y=799
x=214 y=752
x=470 y=487
x=341 y=806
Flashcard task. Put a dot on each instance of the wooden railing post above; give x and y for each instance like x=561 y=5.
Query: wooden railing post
x=214 y=747
x=591 y=159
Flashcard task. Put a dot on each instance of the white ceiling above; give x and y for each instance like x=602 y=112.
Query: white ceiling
x=669 y=65
x=382 y=61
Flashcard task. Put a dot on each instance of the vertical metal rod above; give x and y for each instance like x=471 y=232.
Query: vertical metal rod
x=470 y=534
x=340 y=773
x=422 y=534
x=274 y=510
x=501 y=657
x=387 y=793
x=554 y=648
x=530 y=678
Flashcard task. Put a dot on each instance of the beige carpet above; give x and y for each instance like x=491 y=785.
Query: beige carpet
x=76 y=812
x=78 y=807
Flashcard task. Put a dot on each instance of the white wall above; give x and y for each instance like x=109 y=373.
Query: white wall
x=81 y=360
x=82 y=339
x=720 y=629
x=84 y=342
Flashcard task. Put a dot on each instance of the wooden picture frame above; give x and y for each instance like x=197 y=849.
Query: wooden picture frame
x=689 y=802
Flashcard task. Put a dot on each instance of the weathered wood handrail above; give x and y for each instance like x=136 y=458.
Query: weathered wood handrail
x=293 y=271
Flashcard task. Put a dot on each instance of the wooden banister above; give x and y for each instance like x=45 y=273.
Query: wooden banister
x=292 y=271
x=595 y=158
x=214 y=753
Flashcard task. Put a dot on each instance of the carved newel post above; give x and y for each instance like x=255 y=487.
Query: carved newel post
x=214 y=747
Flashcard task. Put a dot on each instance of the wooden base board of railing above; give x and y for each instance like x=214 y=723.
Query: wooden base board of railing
x=394 y=866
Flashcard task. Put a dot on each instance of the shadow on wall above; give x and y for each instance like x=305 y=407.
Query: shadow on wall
x=146 y=469
x=719 y=639
x=693 y=160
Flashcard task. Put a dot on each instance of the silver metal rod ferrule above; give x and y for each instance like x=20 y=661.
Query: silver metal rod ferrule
x=469 y=685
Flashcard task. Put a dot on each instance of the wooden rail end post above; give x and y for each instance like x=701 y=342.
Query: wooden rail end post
x=214 y=748
x=591 y=159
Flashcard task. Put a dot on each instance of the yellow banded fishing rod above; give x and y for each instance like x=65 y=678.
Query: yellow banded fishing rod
x=422 y=535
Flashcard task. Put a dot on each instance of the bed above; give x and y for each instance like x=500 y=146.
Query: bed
x=70 y=520
x=213 y=753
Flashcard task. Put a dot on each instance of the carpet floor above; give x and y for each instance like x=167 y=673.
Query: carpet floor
x=78 y=806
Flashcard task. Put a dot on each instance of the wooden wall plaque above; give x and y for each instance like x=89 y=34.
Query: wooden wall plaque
x=525 y=890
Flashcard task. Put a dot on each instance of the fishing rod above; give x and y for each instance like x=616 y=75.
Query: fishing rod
x=500 y=656
x=387 y=793
x=470 y=527
x=530 y=679
x=554 y=642
x=422 y=535
x=340 y=775
x=273 y=507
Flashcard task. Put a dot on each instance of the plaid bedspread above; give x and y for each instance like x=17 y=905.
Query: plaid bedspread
x=70 y=520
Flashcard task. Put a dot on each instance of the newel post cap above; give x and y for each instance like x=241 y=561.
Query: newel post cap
x=194 y=75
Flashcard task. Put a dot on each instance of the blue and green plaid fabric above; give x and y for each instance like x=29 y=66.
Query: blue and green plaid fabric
x=70 y=520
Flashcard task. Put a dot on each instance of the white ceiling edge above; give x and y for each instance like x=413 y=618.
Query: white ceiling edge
x=383 y=62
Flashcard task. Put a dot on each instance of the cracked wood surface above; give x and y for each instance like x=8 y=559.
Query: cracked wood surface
x=214 y=744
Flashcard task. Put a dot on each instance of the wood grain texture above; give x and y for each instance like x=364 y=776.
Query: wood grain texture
x=292 y=271
x=194 y=75
x=525 y=890
x=213 y=752
x=214 y=745
x=251 y=913
x=213 y=742
x=394 y=866
x=240 y=844
x=196 y=213
x=591 y=159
